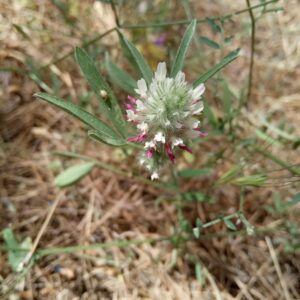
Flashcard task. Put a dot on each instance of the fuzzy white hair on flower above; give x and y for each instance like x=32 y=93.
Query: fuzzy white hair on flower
x=165 y=113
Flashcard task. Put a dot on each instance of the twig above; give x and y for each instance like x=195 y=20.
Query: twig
x=249 y=92
x=277 y=267
x=119 y=244
x=42 y=230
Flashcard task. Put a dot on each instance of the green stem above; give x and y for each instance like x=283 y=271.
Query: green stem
x=84 y=45
x=252 y=18
x=162 y=24
x=203 y=20
x=119 y=244
x=218 y=220
x=113 y=7
x=277 y=160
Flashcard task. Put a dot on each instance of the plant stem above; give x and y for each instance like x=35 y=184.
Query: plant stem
x=113 y=7
x=218 y=220
x=162 y=24
x=280 y=162
x=252 y=18
x=119 y=244
x=84 y=45
x=182 y=22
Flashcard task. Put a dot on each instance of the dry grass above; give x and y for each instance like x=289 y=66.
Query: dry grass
x=104 y=207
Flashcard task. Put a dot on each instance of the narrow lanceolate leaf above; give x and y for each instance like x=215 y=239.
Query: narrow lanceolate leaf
x=109 y=140
x=182 y=50
x=216 y=68
x=120 y=77
x=139 y=61
x=194 y=172
x=229 y=224
x=205 y=40
x=213 y=25
x=73 y=174
x=102 y=128
x=98 y=84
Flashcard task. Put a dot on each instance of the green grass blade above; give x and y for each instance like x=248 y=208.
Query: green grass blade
x=97 y=83
x=182 y=50
x=102 y=128
x=73 y=174
x=139 y=61
x=120 y=77
x=216 y=68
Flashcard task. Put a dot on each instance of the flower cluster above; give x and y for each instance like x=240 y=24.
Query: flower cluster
x=165 y=115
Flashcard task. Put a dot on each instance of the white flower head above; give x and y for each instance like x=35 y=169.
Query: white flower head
x=154 y=175
x=165 y=112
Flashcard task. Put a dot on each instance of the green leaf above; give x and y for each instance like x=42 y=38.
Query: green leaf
x=295 y=200
x=97 y=83
x=16 y=251
x=109 y=140
x=197 y=197
x=216 y=68
x=182 y=50
x=205 y=40
x=139 y=61
x=228 y=39
x=102 y=128
x=120 y=77
x=213 y=25
x=229 y=224
x=126 y=51
x=194 y=172
x=73 y=174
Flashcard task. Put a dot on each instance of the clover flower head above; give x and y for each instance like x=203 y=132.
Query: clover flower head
x=165 y=114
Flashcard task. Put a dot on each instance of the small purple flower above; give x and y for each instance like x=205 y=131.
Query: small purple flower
x=161 y=40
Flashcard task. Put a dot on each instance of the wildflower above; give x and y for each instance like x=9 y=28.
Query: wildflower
x=165 y=114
